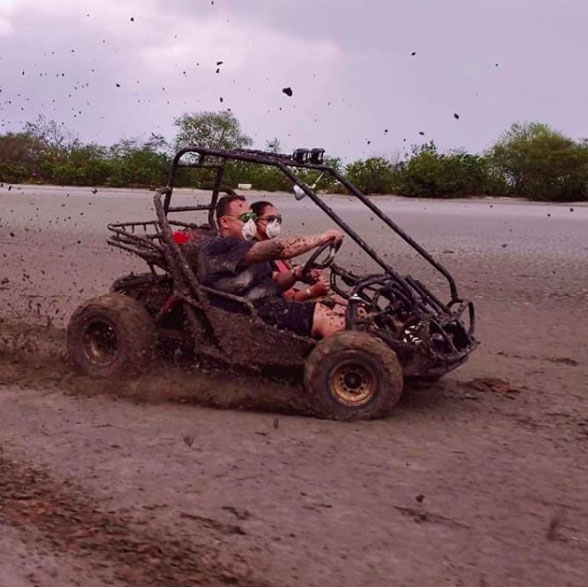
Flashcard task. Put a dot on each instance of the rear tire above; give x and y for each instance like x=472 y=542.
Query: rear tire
x=353 y=375
x=111 y=336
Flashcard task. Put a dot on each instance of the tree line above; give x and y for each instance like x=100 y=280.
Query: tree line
x=529 y=160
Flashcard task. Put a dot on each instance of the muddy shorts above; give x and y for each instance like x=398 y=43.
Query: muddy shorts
x=293 y=316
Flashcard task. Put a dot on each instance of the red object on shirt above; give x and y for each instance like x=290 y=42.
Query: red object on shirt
x=182 y=237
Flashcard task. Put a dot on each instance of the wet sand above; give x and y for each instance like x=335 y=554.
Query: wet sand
x=477 y=480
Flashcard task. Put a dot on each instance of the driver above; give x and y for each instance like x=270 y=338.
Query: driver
x=233 y=263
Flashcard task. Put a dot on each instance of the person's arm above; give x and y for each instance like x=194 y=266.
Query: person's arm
x=318 y=290
x=286 y=248
x=285 y=279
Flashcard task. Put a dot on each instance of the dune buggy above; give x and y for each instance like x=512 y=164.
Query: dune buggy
x=403 y=329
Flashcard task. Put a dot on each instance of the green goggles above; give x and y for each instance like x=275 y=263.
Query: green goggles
x=247 y=216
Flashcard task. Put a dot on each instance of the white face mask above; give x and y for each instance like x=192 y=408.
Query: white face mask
x=273 y=229
x=249 y=230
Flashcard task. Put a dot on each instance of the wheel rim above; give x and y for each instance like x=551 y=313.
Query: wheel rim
x=353 y=384
x=100 y=342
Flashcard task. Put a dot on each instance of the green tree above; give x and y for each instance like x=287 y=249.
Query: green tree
x=81 y=165
x=541 y=164
x=428 y=173
x=212 y=130
x=21 y=156
x=372 y=176
x=136 y=163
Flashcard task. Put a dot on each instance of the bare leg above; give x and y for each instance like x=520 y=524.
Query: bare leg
x=338 y=299
x=333 y=299
x=326 y=321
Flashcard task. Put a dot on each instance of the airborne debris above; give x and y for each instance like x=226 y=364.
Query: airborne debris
x=456 y=116
x=288 y=91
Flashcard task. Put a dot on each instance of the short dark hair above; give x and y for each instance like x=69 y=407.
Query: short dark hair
x=259 y=207
x=222 y=206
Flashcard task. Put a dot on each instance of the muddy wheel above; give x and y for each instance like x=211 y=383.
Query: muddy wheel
x=111 y=336
x=352 y=375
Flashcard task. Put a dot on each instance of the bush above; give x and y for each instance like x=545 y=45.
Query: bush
x=20 y=157
x=12 y=173
x=141 y=167
x=530 y=160
x=539 y=163
x=372 y=176
x=431 y=174
x=79 y=165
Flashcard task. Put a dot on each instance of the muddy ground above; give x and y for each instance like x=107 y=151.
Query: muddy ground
x=204 y=477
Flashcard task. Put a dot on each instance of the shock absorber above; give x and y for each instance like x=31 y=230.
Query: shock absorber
x=351 y=314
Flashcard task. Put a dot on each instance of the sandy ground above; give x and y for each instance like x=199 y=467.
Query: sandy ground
x=478 y=480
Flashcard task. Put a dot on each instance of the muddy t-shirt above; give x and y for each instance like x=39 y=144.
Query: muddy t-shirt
x=220 y=267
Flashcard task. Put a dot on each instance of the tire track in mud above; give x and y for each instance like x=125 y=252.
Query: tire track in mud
x=67 y=520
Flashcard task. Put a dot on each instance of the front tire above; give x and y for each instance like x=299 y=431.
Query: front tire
x=111 y=336
x=353 y=375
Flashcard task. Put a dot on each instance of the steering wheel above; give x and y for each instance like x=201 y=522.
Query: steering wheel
x=313 y=261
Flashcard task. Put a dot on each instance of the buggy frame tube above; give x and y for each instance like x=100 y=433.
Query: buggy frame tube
x=399 y=232
x=217 y=184
x=340 y=222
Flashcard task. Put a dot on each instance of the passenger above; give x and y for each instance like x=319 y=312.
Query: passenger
x=233 y=263
x=269 y=225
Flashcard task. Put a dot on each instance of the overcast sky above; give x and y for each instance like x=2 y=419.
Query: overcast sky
x=350 y=65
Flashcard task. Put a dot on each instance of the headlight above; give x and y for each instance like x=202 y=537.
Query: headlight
x=317 y=156
x=301 y=155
